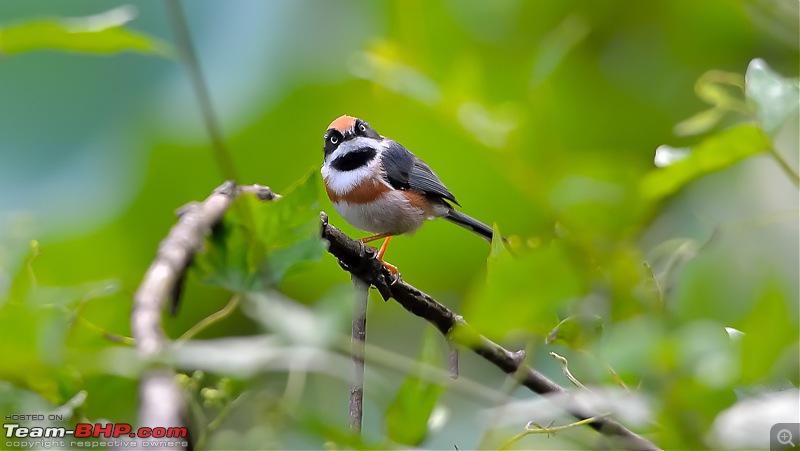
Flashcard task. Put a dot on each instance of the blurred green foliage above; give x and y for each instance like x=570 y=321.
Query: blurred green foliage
x=654 y=232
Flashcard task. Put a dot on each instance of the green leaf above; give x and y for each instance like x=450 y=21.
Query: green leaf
x=769 y=329
x=713 y=154
x=102 y=33
x=33 y=339
x=577 y=331
x=257 y=243
x=229 y=259
x=290 y=227
x=774 y=96
x=525 y=292
x=407 y=415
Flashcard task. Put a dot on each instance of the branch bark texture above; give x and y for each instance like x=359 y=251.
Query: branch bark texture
x=160 y=399
x=360 y=260
x=160 y=402
x=359 y=337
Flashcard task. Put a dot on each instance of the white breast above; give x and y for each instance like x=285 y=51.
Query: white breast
x=390 y=213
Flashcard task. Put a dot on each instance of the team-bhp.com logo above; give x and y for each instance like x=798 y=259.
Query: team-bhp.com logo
x=87 y=430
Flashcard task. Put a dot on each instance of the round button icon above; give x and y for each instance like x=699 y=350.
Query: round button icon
x=784 y=437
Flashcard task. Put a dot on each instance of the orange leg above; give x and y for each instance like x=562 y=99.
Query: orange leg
x=375 y=237
x=382 y=250
x=392 y=268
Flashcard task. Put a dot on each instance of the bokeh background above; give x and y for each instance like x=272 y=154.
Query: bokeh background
x=543 y=117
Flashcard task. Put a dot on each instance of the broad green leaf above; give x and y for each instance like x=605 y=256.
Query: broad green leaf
x=407 y=415
x=256 y=243
x=713 y=154
x=769 y=330
x=102 y=33
x=774 y=96
x=525 y=292
x=33 y=339
x=231 y=253
x=290 y=227
x=637 y=347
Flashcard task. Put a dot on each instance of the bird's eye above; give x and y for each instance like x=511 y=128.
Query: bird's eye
x=363 y=128
x=334 y=140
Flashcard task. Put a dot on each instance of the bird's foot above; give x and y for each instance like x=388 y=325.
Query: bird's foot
x=392 y=269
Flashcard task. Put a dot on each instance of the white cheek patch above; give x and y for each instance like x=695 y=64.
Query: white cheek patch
x=342 y=182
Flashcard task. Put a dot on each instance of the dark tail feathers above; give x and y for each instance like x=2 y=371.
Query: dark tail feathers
x=470 y=223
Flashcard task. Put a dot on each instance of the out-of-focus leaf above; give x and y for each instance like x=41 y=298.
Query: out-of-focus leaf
x=525 y=292
x=576 y=331
x=713 y=154
x=407 y=415
x=697 y=124
x=382 y=67
x=667 y=259
x=33 y=339
x=684 y=393
x=774 y=96
x=246 y=356
x=299 y=323
x=769 y=329
x=713 y=87
x=102 y=33
x=636 y=347
x=706 y=353
x=557 y=44
x=632 y=408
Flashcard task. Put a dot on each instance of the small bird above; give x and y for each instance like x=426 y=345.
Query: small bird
x=379 y=186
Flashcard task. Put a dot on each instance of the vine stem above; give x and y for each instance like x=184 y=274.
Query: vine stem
x=787 y=168
x=546 y=430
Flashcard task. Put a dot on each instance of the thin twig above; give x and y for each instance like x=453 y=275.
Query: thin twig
x=359 y=336
x=565 y=369
x=189 y=56
x=394 y=361
x=547 y=430
x=785 y=166
x=360 y=260
x=617 y=379
x=219 y=315
x=220 y=419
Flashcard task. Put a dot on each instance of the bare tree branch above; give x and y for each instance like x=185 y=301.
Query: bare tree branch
x=160 y=406
x=359 y=337
x=360 y=260
x=160 y=402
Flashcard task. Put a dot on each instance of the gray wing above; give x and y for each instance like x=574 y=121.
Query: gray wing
x=405 y=171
